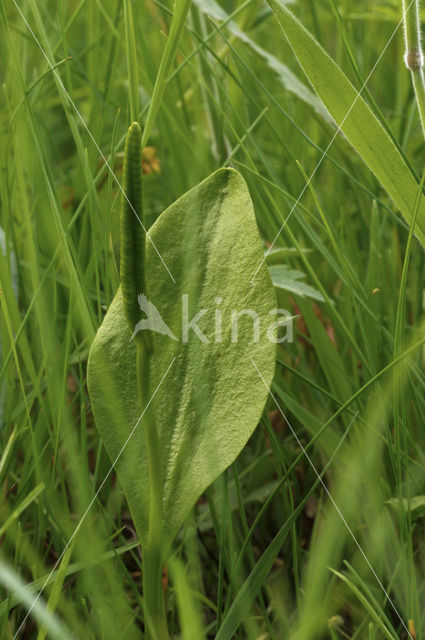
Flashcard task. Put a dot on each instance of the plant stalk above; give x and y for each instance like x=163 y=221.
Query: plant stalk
x=153 y=597
x=413 y=57
x=133 y=284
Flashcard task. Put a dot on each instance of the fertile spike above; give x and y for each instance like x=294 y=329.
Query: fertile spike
x=132 y=266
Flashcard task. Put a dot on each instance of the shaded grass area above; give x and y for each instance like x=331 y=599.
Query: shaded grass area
x=323 y=545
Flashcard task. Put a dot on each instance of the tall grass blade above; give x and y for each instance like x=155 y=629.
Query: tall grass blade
x=181 y=10
x=38 y=609
x=354 y=117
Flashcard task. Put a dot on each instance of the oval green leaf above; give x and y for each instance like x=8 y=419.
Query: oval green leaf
x=211 y=398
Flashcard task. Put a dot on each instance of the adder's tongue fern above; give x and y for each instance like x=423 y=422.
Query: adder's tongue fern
x=133 y=230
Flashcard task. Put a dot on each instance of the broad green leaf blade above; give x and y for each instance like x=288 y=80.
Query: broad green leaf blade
x=212 y=398
x=355 y=118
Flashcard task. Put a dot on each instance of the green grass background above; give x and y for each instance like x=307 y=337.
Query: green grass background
x=266 y=554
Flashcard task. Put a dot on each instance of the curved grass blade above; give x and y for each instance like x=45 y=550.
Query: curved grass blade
x=45 y=618
x=180 y=13
x=354 y=117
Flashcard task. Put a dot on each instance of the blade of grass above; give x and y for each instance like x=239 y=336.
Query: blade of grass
x=56 y=590
x=131 y=52
x=252 y=585
x=375 y=615
x=181 y=10
x=12 y=582
x=190 y=619
x=21 y=507
x=353 y=117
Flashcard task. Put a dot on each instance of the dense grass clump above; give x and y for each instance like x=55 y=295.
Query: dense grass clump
x=316 y=531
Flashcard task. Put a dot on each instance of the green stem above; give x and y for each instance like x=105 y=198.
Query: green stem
x=133 y=283
x=153 y=598
x=413 y=56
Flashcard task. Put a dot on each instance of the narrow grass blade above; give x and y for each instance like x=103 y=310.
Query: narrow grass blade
x=354 y=117
x=243 y=601
x=180 y=12
x=133 y=76
x=56 y=589
x=13 y=583
x=375 y=615
x=7 y=451
x=286 y=77
x=21 y=507
x=70 y=570
x=190 y=621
